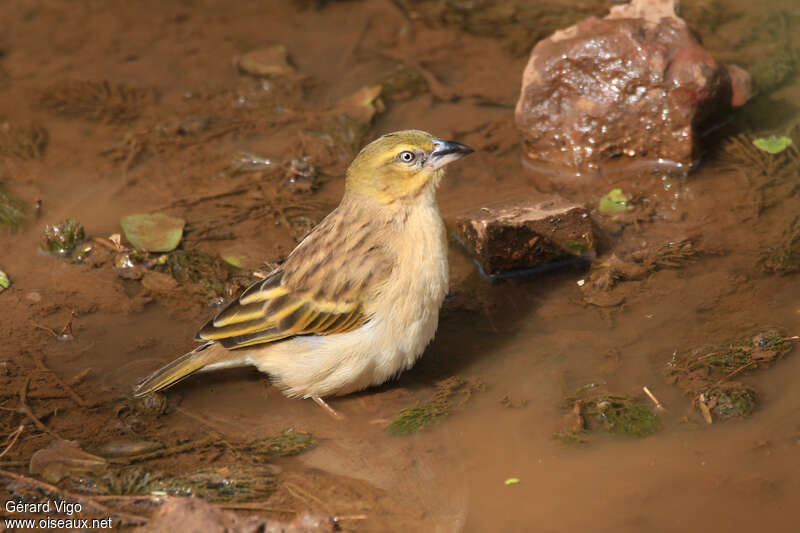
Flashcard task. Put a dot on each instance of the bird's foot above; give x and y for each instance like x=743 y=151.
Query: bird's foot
x=328 y=409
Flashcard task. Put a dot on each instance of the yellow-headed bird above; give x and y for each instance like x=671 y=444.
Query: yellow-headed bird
x=358 y=300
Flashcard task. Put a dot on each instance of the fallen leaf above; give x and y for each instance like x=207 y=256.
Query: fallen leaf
x=772 y=144
x=153 y=232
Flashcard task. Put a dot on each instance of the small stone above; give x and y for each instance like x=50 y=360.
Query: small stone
x=272 y=61
x=522 y=234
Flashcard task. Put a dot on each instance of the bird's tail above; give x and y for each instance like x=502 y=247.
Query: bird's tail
x=207 y=354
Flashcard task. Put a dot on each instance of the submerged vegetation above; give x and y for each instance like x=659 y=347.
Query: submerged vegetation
x=12 y=210
x=60 y=239
x=706 y=373
x=612 y=413
x=451 y=394
x=283 y=444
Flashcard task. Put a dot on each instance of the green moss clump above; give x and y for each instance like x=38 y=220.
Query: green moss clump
x=223 y=484
x=12 y=210
x=451 y=394
x=195 y=266
x=771 y=72
x=731 y=400
x=729 y=359
x=623 y=416
x=413 y=419
x=572 y=437
x=60 y=239
x=283 y=444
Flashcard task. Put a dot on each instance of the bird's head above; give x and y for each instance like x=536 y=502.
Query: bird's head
x=399 y=165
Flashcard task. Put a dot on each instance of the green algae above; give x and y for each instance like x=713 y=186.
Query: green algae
x=620 y=415
x=731 y=400
x=450 y=394
x=60 y=239
x=284 y=444
x=13 y=211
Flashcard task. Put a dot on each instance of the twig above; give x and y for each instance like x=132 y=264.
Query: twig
x=84 y=500
x=303 y=495
x=350 y=517
x=43 y=367
x=67 y=329
x=202 y=443
x=741 y=368
x=704 y=409
x=24 y=409
x=76 y=380
x=194 y=200
x=49 y=330
x=650 y=395
x=254 y=506
x=353 y=49
x=13 y=436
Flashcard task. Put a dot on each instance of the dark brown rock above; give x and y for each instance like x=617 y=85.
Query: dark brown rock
x=635 y=84
x=519 y=235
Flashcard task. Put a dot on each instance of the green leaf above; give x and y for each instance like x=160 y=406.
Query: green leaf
x=511 y=481
x=4 y=281
x=772 y=144
x=615 y=201
x=233 y=260
x=153 y=232
x=577 y=245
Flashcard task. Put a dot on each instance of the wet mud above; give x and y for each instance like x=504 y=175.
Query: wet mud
x=527 y=411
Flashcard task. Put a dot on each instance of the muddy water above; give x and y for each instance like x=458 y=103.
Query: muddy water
x=533 y=340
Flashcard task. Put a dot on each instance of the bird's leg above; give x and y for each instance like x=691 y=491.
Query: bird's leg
x=328 y=409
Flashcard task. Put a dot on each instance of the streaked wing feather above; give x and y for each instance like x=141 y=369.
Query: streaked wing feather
x=313 y=293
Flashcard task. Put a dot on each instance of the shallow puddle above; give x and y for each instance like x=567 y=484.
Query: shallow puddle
x=157 y=129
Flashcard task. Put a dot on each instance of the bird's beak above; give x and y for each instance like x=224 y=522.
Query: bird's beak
x=445 y=152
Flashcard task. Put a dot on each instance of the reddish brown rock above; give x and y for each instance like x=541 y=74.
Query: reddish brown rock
x=520 y=235
x=635 y=84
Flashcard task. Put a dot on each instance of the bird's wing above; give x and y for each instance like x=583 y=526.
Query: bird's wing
x=323 y=288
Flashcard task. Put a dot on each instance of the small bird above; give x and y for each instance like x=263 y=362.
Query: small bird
x=357 y=301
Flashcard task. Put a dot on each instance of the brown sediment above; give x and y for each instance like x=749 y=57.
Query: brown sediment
x=660 y=282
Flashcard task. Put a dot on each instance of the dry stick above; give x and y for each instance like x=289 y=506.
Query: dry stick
x=76 y=380
x=704 y=409
x=24 y=409
x=353 y=49
x=79 y=498
x=303 y=495
x=68 y=326
x=254 y=506
x=72 y=394
x=13 y=436
x=187 y=201
x=166 y=451
x=650 y=395
x=741 y=368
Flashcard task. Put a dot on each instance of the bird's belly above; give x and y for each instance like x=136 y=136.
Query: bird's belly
x=403 y=321
x=338 y=364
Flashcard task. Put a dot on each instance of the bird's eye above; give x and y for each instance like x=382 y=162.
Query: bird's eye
x=406 y=156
